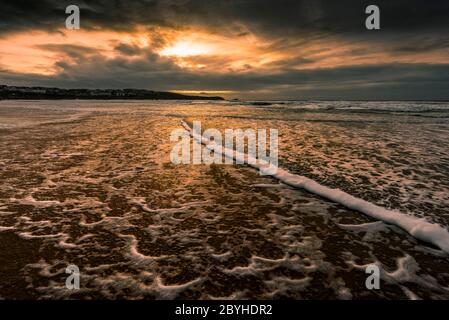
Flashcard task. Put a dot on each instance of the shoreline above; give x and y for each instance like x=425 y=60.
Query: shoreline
x=46 y=93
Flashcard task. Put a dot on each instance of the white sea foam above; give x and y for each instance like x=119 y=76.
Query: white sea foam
x=419 y=228
x=406 y=272
x=33 y=202
x=172 y=291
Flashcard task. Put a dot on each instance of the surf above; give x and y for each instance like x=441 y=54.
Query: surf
x=419 y=228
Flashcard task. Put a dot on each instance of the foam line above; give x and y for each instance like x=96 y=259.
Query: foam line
x=419 y=228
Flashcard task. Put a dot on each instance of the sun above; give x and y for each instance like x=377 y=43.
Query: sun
x=186 y=48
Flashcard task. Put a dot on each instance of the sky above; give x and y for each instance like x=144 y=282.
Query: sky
x=248 y=49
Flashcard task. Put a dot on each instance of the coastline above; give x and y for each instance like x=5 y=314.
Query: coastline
x=47 y=93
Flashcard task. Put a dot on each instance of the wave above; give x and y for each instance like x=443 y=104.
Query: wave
x=362 y=107
x=419 y=228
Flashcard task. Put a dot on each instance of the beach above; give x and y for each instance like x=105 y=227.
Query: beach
x=91 y=184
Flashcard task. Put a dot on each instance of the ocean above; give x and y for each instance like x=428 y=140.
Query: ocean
x=91 y=184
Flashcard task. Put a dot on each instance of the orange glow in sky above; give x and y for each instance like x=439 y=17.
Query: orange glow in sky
x=186 y=48
x=39 y=52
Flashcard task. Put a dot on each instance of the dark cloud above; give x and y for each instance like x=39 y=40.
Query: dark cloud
x=71 y=50
x=387 y=81
x=408 y=26
x=128 y=50
x=275 y=17
x=425 y=44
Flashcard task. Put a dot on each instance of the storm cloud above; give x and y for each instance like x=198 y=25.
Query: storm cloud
x=294 y=49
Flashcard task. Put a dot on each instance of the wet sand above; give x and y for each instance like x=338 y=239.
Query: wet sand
x=100 y=192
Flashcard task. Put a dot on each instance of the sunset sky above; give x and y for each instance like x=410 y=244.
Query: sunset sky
x=310 y=49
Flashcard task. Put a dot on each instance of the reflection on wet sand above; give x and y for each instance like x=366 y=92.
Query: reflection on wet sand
x=100 y=192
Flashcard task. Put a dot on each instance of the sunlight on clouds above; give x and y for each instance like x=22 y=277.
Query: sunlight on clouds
x=37 y=52
x=195 y=50
x=199 y=50
x=185 y=49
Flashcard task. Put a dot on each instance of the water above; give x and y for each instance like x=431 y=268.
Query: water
x=91 y=183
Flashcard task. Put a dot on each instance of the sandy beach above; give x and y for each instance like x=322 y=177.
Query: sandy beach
x=91 y=184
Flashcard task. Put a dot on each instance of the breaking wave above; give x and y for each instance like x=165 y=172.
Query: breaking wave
x=419 y=228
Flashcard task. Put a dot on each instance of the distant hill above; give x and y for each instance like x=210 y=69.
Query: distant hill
x=43 y=93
